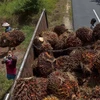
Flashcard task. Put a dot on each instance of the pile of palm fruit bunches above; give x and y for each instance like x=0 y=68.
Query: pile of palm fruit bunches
x=12 y=38
x=66 y=67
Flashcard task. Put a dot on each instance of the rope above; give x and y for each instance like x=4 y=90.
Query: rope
x=61 y=50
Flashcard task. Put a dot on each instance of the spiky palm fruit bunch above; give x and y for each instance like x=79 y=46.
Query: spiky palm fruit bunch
x=51 y=98
x=30 y=89
x=87 y=63
x=61 y=85
x=95 y=94
x=96 y=32
x=67 y=63
x=50 y=37
x=84 y=93
x=97 y=63
x=12 y=39
x=85 y=34
x=88 y=57
x=73 y=41
x=77 y=53
x=45 y=64
x=96 y=45
x=46 y=46
x=62 y=41
x=89 y=94
x=60 y=29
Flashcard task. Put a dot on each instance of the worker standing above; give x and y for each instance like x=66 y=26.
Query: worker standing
x=10 y=60
x=7 y=26
x=93 y=23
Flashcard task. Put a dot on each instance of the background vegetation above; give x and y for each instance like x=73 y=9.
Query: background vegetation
x=21 y=12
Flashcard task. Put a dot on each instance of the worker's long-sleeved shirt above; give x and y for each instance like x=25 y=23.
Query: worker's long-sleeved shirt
x=11 y=66
x=8 y=29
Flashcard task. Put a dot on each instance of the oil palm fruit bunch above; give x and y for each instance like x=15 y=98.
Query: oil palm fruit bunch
x=85 y=35
x=96 y=32
x=61 y=44
x=31 y=88
x=61 y=85
x=67 y=63
x=45 y=64
x=50 y=37
x=51 y=97
x=12 y=38
x=73 y=41
x=60 y=29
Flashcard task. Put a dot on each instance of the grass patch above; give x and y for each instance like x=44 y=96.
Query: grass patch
x=49 y=5
x=9 y=8
x=4 y=84
x=28 y=35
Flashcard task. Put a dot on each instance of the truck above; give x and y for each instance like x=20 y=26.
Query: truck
x=78 y=77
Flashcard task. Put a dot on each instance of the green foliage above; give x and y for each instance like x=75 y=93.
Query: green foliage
x=31 y=6
x=28 y=34
x=5 y=84
x=8 y=8
x=22 y=11
x=23 y=6
x=49 y=5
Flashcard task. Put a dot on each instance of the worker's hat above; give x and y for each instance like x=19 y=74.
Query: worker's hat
x=5 y=24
